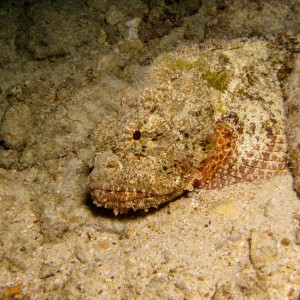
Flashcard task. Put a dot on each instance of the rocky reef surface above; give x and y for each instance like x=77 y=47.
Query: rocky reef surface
x=65 y=68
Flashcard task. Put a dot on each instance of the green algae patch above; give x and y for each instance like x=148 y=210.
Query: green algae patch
x=218 y=81
x=176 y=64
x=209 y=146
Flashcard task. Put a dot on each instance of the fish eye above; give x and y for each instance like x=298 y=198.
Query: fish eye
x=137 y=135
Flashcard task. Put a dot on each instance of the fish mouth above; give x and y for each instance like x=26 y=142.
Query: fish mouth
x=123 y=201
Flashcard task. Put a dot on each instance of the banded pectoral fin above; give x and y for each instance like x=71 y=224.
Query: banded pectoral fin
x=237 y=157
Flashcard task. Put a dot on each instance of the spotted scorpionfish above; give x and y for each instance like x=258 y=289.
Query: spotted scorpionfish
x=195 y=119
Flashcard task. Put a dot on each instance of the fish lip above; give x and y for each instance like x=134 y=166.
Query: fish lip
x=102 y=196
x=134 y=200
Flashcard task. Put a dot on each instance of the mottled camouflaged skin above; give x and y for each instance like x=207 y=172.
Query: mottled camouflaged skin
x=196 y=118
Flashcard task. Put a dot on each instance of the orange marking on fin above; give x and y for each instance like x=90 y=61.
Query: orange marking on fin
x=226 y=165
